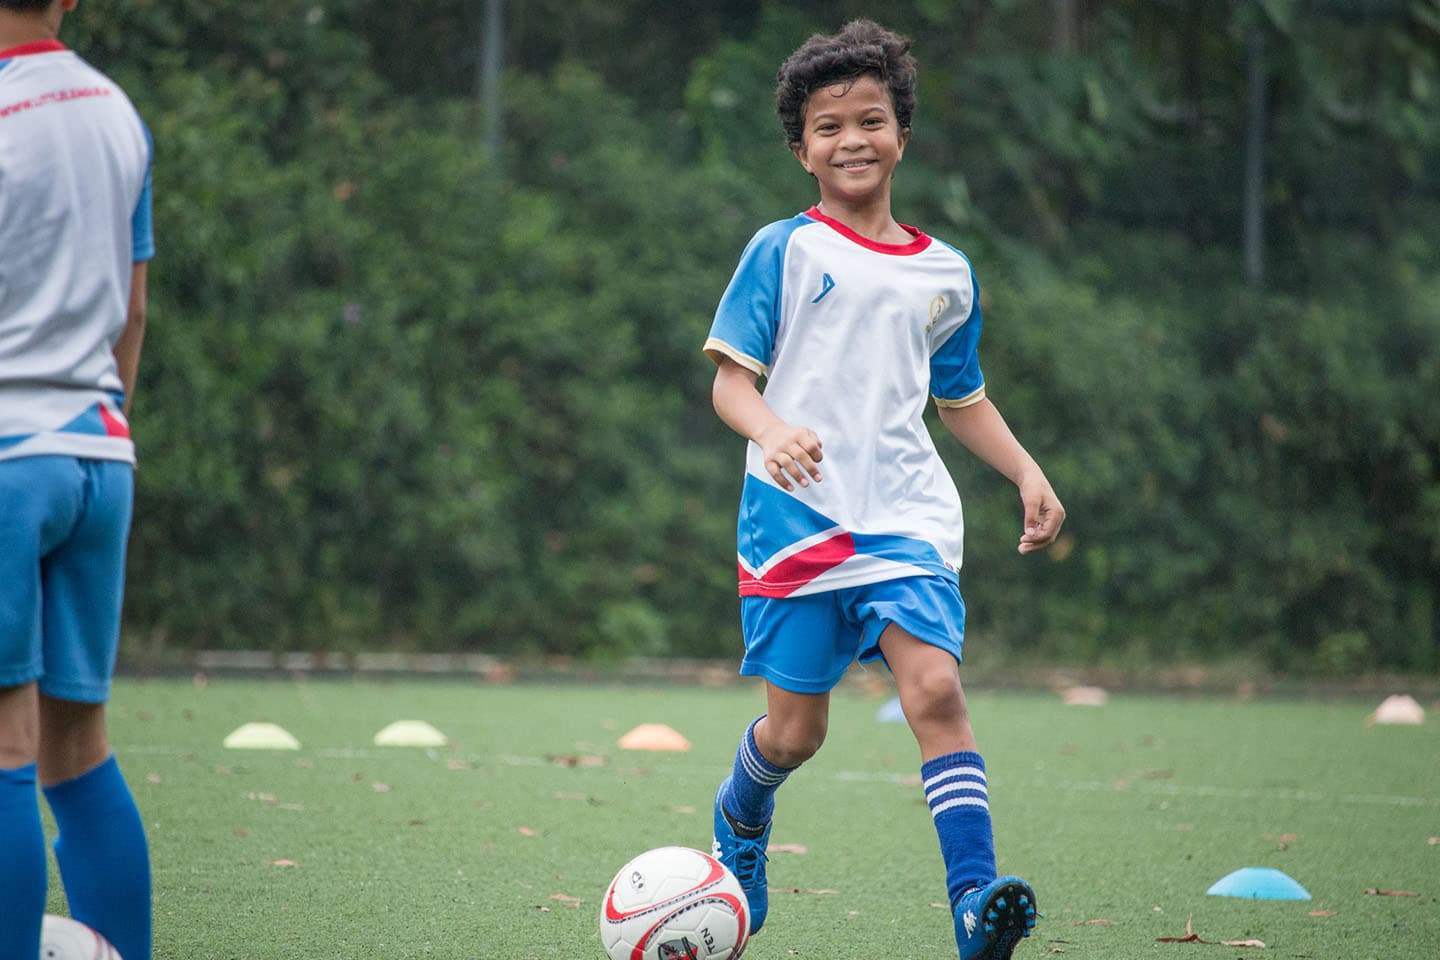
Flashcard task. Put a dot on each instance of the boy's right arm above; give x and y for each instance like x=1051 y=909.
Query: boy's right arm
x=789 y=451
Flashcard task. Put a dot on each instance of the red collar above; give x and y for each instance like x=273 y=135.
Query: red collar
x=34 y=46
x=920 y=243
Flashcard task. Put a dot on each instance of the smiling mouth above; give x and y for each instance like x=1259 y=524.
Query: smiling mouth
x=854 y=164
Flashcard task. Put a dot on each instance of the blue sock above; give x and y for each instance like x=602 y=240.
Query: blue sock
x=960 y=805
x=104 y=861
x=22 y=864
x=753 y=783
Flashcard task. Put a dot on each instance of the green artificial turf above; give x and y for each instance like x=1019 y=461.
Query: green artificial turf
x=500 y=845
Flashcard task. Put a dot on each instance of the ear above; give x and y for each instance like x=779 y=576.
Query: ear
x=803 y=155
x=904 y=139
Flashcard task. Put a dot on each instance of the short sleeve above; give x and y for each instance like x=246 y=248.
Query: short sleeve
x=955 y=377
x=749 y=313
x=142 y=230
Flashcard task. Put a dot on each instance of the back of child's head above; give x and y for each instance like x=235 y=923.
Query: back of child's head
x=861 y=48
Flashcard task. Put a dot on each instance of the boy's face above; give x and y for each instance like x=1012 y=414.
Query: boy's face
x=852 y=141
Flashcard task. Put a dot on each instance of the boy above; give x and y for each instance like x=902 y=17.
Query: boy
x=855 y=320
x=74 y=240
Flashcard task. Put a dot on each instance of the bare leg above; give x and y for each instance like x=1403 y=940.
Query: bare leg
x=928 y=680
x=19 y=726
x=74 y=740
x=795 y=726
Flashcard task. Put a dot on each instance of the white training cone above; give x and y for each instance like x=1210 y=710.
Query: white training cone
x=653 y=736
x=1085 y=696
x=1400 y=708
x=261 y=736
x=410 y=733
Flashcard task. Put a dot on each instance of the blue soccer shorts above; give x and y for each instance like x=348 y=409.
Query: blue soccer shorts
x=64 y=523
x=805 y=644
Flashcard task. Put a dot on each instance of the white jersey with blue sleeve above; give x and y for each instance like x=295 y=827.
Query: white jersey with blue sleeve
x=74 y=220
x=853 y=338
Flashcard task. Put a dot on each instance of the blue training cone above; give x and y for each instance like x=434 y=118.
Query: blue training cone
x=1258 y=883
x=891 y=712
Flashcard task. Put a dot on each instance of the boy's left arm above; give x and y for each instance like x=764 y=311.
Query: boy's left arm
x=985 y=433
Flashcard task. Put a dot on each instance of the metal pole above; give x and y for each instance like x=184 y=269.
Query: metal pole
x=1255 y=156
x=492 y=55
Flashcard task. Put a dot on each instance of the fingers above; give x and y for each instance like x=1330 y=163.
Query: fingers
x=1043 y=520
x=796 y=460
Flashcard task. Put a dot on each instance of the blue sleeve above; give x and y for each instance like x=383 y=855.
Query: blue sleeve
x=142 y=230
x=955 y=364
x=749 y=313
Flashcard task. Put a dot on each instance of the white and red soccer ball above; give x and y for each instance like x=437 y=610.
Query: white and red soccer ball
x=674 y=903
x=62 y=938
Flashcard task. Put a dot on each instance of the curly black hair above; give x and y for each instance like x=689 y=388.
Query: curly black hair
x=861 y=48
x=25 y=6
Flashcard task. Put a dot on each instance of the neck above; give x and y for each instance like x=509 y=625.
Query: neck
x=872 y=221
x=19 y=28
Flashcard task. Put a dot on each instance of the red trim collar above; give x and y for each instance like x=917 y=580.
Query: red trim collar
x=34 y=46
x=920 y=243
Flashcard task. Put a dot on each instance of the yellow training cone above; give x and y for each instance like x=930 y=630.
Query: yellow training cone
x=410 y=733
x=261 y=736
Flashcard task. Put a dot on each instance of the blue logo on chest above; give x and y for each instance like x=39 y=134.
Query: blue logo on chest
x=826 y=285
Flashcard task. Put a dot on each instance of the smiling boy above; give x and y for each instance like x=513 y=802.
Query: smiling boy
x=856 y=321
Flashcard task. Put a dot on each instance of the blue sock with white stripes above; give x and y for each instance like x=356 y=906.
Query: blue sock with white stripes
x=22 y=852
x=753 y=782
x=103 y=857
x=960 y=805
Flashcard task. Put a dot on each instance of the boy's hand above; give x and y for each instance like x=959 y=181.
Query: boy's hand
x=791 y=452
x=1044 y=514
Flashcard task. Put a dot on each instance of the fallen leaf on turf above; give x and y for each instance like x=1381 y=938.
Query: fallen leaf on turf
x=1376 y=892
x=1289 y=837
x=798 y=890
x=683 y=809
x=1054 y=949
x=283 y=863
x=527 y=832
x=542 y=908
x=566 y=899
x=1097 y=922
x=152 y=778
x=456 y=765
x=787 y=848
x=576 y=759
x=1322 y=913
x=941 y=906
x=1243 y=943
x=1433 y=841
x=1190 y=935
x=379 y=787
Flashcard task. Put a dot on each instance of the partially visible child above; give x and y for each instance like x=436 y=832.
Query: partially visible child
x=75 y=237
x=850 y=527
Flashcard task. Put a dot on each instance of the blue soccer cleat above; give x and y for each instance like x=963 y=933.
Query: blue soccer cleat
x=991 y=920
x=744 y=856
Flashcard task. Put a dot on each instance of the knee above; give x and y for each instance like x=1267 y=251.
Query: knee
x=789 y=743
x=19 y=727
x=935 y=697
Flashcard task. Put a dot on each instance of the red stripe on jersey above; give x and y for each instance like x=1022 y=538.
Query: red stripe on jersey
x=114 y=426
x=796 y=571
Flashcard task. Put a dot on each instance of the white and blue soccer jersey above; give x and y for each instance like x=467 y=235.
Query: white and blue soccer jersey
x=74 y=220
x=853 y=338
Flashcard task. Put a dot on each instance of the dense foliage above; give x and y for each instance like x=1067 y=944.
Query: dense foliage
x=400 y=392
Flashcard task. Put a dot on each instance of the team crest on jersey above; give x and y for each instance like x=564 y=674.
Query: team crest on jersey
x=681 y=949
x=937 y=307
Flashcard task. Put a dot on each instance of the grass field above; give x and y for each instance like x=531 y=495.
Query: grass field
x=500 y=845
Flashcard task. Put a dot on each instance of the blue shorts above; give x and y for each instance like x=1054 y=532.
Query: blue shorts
x=64 y=523
x=805 y=644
